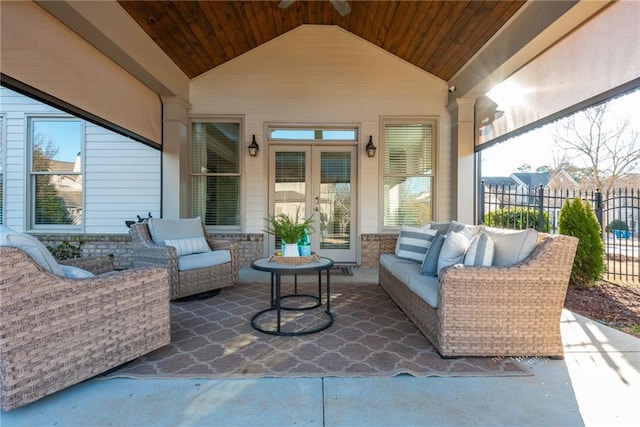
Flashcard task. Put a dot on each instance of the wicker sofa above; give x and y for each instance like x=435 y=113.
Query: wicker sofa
x=57 y=331
x=491 y=310
x=191 y=271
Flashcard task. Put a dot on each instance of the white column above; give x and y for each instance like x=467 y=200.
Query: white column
x=175 y=159
x=463 y=140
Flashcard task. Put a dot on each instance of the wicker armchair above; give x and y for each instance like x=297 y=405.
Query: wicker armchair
x=184 y=282
x=57 y=331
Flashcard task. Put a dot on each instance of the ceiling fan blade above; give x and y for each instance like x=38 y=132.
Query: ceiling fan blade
x=285 y=4
x=341 y=6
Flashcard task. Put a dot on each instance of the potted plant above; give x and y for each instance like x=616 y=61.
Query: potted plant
x=289 y=230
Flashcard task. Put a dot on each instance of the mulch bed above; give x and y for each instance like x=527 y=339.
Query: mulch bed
x=614 y=304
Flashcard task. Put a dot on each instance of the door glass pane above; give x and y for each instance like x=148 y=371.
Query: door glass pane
x=335 y=200
x=290 y=192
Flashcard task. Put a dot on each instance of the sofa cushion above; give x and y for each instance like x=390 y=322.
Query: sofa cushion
x=399 y=268
x=430 y=264
x=453 y=249
x=480 y=251
x=413 y=242
x=511 y=246
x=203 y=260
x=162 y=229
x=192 y=245
x=32 y=247
x=426 y=287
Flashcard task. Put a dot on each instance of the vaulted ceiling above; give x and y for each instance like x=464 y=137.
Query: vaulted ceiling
x=436 y=36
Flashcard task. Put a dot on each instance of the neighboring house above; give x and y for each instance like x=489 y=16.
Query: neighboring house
x=64 y=174
x=522 y=189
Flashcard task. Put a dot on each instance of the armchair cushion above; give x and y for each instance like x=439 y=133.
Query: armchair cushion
x=202 y=260
x=192 y=245
x=32 y=247
x=162 y=229
x=72 y=272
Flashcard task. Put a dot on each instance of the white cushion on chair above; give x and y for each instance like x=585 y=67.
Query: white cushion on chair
x=32 y=247
x=203 y=260
x=72 y=272
x=162 y=229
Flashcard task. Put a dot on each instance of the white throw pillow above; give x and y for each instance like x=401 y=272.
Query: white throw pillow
x=511 y=246
x=480 y=251
x=413 y=242
x=194 y=245
x=453 y=249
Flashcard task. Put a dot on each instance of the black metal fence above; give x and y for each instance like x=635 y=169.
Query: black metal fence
x=618 y=213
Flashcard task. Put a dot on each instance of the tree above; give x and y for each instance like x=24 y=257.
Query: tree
x=524 y=168
x=610 y=148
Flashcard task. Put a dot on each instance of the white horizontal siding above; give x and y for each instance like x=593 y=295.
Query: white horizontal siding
x=121 y=177
x=323 y=75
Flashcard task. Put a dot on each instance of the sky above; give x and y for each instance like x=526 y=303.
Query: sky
x=536 y=147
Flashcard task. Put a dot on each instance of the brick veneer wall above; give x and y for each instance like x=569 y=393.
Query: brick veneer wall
x=250 y=246
x=118 y=246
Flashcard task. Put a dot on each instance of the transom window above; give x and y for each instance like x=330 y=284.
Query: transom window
x=408 y=172
x=313 y=134
x=56 y=187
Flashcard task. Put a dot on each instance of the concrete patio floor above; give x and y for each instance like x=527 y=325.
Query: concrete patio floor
x=597 y=384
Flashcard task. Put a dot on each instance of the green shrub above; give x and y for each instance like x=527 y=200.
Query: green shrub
x=517 y=218
x=616 y=224
x=578 y=220
x=66 y=250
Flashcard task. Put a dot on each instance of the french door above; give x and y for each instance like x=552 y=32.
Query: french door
x=319 y=181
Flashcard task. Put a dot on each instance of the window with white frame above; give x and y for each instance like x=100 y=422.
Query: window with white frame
x=56 y=187
x=215 y=172
x=408 y=172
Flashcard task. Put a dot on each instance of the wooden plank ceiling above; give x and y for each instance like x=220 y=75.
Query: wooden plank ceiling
x=436 y=36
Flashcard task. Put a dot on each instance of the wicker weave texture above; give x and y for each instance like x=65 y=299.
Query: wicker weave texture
x=184 y=283
x=496 y=311
x=56 y=332
x=96 y=265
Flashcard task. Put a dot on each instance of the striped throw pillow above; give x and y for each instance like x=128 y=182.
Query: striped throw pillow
x=192 y=245
x=480 y=252
x=413 y=242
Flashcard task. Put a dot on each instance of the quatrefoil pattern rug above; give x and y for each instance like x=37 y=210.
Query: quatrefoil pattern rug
x=370 y=337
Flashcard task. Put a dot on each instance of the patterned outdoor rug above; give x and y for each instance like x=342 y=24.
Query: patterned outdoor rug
x=370 y=337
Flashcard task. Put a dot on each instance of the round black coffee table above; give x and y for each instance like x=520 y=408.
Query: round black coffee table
x=277 y=270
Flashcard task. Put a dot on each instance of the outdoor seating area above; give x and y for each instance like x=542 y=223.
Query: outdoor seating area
x=349 y=213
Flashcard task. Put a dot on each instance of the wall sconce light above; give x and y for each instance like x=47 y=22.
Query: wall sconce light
x=371 y=149
x=253 y=147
